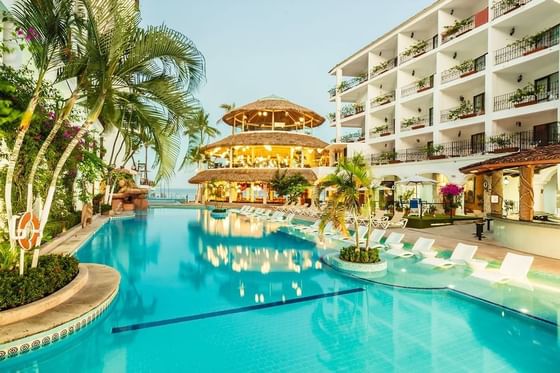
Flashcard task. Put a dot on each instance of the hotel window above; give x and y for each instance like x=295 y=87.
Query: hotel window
x=478 y=141
x=547 y=87
x=478 y=103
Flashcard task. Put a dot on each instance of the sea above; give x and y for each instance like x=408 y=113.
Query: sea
x=163 y=192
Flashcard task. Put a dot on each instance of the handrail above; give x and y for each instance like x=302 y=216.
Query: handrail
x=507 y=101
x=505 y=6
x=419 y=86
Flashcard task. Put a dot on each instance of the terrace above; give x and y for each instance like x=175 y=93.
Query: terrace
x=528 y=45
x=463 y=26
x=464 y=69
x=419 y=86
x=418 y=49
x=504 y=7
x=531 y=94
x=383 y=67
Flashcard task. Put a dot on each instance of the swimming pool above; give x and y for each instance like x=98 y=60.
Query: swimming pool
x=205 y=295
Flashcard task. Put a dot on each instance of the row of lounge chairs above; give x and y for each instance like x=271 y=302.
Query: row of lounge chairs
x=265 y=214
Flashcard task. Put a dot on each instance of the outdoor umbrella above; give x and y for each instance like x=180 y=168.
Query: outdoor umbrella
x=417 y=179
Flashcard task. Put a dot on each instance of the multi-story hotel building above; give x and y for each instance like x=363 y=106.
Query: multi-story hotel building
x=455 y=84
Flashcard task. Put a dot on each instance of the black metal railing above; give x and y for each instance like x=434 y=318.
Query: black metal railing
x=382 y=130
x=382 y=99
x=459 y=112
x=383 y=67
x=421 y=85
x=418 y=49
x=505 y=6
x=528 y=45
x=350 y=110
x=511 y=99
x=468 y=25
x=464 y=69
x=352 y=137
x=502 y=143
x=414 y=123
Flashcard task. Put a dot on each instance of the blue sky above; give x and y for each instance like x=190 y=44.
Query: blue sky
x=255 y=48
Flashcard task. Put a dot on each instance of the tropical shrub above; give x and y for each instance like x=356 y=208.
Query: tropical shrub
x=357 y=255
x=291 y=186
x=53 y=273
x=450 y=192
x=104 y=208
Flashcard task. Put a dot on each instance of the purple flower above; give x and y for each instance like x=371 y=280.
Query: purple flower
x=32 y=34
x=20 y=33
x=51 y=115
x=451 y=190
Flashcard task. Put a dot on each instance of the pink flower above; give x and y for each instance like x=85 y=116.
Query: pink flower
x=51 y=115
x=32 y=34
x=451 y=190
x=20 y=33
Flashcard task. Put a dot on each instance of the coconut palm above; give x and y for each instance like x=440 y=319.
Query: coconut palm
x=47 y=26
x=228 y=107
x=153 y=70
x=198 y=132
x=350 y=179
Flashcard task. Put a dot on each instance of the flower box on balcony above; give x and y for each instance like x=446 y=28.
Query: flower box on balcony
x=527 y=103
x=393 y=161
x=469 y=115
x=437 y=156
x=418 y=126
x=535 y=50
x=385 y=133
x=423 y=89
x=468 y=73
x=509 y=149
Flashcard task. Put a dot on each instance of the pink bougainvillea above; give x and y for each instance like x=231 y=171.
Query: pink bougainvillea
x=451 y=190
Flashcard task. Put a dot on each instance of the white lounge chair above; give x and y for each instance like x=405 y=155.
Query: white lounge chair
x=462 y=254
x=422 y=246
x=379 y=219
x=313 y=228
x=375 y=237
x=514 y=268
x=360 y=233
x=397 y=221
x=393 y=237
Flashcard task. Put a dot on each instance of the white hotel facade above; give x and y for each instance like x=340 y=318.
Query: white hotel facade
x=440 y=91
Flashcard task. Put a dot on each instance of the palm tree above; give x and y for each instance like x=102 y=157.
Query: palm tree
x=47 y=24
x=349 y=180
x=198 y=132
x=153 y=70
x=227 y=107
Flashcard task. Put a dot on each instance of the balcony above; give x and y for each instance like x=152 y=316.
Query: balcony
x=383 y=99
x=357 y=136
x=351 y=110
x=383 y=67
x=414 y=123
x=463 y=26
x=529 y=95
x=502 y=143
x=422 y=85
x=505 y=6
x=463 y=111
x=464 y=69
x=348 y=84
x=418 y=49
x=528 y=45
x=382 y=131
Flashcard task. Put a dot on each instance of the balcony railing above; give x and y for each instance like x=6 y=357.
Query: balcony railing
x=349 y=110
x=460 y=112
x=505 y=6
x=383 y=67
x=348 y=84
x=382 y=130
x=514 y=100
x=528 y=45
x=458 y=29
x=464 y=69
x=419 y=86
x=382 y=99
x=503 y=143
x=418 y=49
x=415 y=123
x=352 y=137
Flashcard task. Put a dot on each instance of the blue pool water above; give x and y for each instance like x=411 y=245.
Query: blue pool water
x=205 y=295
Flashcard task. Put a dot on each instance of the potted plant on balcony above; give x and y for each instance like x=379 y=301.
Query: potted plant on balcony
x=423 y=84
x=390 y=156
x=524 y=96
x=465 y=68
x=456 y=27
x=533 y=43
x=512 y=4
x=382 y=130
x=331 y=117
x=465 y=110
x=450 y=192
x=358 y=108
x=413 y=122
x=434 y=151
x=502 y=144
x=342 y=86
x=383 y=99
x=380 y=68
x=416 y=49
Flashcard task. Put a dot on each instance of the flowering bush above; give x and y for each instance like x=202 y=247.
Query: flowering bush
x=451 y=190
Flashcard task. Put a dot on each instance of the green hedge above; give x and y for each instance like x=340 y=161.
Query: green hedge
x=53 y=273
x=351 y=254
x=54 y=228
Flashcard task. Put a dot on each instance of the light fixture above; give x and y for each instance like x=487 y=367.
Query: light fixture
x=461 y=98
x=265 y=113
x=452 y=11
x=454 y=55
x=419 y=109
x=459 y=134
x=519 y=78
x=413 y=72
x=506 y=180
x=512 y=31
x=518 y=124
x=418 y=141
x=268 y=147
x=412 y=34
x=301 y=119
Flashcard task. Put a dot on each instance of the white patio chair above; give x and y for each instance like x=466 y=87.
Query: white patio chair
x=514 y=268
x=462 y=254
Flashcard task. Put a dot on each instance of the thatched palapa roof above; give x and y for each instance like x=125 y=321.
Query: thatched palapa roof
x=278 y=138
x=542 y=156
x=247 y=175
x=260 y=114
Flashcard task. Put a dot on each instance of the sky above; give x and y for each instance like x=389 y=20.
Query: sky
x=256 y=48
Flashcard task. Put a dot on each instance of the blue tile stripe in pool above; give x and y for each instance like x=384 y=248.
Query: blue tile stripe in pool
x=153 y=324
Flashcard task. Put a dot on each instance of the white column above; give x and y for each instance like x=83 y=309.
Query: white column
x=338 y=106
x=12 y=59
x=538 y=190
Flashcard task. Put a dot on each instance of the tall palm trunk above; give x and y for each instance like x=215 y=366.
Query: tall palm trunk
x=48 y=141
x=14 y=154
x=92 y=117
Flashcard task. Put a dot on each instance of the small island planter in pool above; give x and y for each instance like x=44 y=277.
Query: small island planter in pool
x=344 y=265
x=219 y=213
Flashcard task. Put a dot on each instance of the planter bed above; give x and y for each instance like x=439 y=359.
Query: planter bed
x=417 y=127
x=430 y=221
x=522 y=104
x=345 y=266
x=534 y=50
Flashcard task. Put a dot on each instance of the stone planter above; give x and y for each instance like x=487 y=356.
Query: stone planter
x=345 y=266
